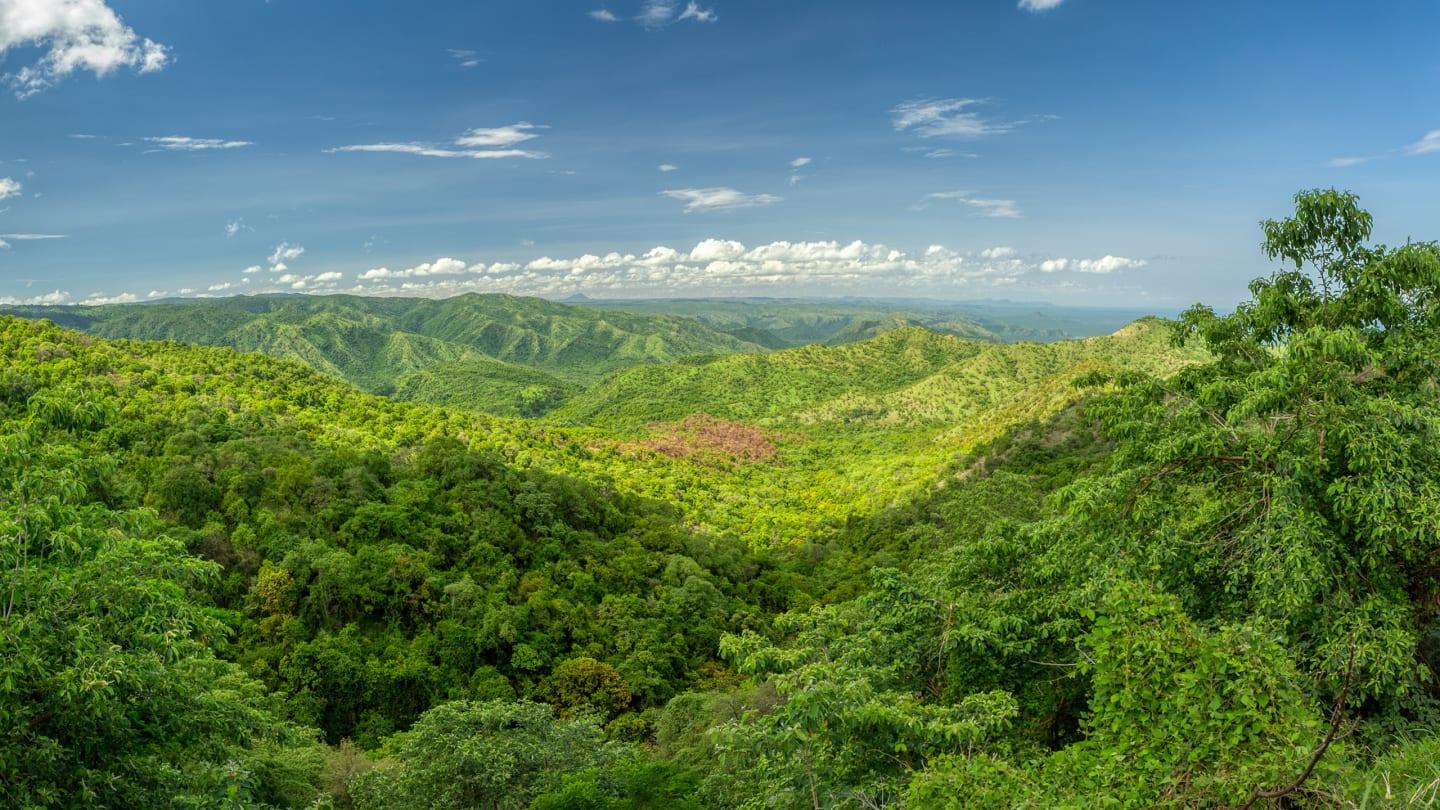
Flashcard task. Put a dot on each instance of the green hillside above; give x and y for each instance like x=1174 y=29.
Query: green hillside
x=779 y=322
x=496 y=353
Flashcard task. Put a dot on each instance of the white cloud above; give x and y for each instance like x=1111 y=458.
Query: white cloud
x=235 y=226
x=660 y=13
x=33 y=237
x=656 y=13
x=1039 y=5
x=945 y=118
x=500 y=136
x=998 y=209
x=285 y=252
x=603 y=15
x=727 y=265
x=668 y=167
x=694 y=12
x=1429 y=143
x=327 y=277
x=718 y=199
x=799 y=161
x=254 y=268
x=10 y=187
x=466 y=58
x=50 y=298
x=1101 y=266
x=4 y=245
x=440 y=267
x=185 y=143
x=480 y=144
x=119 y=298
x=73 y=35
x=1342 y=162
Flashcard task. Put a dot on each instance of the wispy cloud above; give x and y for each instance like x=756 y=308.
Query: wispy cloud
x=184 y=143
x=799 y=161
x=466 y=58
x=33 y=237
x=1039 y=5
x=945 y=118
x=657 y=14
x=73 y=35
x=694 y=12
x=10 y=187
x=1426 y=145
x=235 y=226
x=604 y=15
x=481 y=143
x=718 y=199
x=1342 y=162
x=998 y=209
x=667 y=167
x=500 y=136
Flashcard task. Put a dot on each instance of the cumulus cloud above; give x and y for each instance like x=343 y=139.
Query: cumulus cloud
x=667 y=167
x=604 y=15
x=285 y=252
x=50 y=298
x=329 y=276
x=480 y=143
x=235 y=226
x=72 y=35
x=1039 y=5
x=10 y=187
x=945 y=118
x=439 y=267
x=185 y=143
x=997 y=209
x=1101 y=266
x=718 y=199
x=718 y=265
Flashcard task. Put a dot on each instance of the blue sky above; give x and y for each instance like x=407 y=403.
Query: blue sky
x=1086 y=152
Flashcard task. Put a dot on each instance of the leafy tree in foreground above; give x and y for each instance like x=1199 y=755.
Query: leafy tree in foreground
x=481 y=755
x=109 y=693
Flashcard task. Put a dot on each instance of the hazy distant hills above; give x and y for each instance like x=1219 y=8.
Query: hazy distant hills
x=794 y=322
x=490 y=352
x=526 y=356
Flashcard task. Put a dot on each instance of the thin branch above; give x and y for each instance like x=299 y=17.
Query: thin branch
x=1337 y=717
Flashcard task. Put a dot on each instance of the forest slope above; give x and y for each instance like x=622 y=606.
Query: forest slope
x=496 y=353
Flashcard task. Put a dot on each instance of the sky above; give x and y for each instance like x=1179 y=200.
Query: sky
x=1082 y=152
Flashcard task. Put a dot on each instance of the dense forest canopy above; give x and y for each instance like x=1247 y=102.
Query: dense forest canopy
x=1192 y=563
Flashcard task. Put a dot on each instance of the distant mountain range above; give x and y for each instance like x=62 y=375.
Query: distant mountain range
x=525 y=356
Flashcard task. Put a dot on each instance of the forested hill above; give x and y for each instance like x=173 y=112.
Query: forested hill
x=497 y=353
x=1189 y=564
x=781 y=322
x=905 y=377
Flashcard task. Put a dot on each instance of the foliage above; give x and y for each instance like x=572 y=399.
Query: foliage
x=497 y=754
x=110 y=694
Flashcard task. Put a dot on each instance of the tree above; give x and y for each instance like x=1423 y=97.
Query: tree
x=481 y=755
